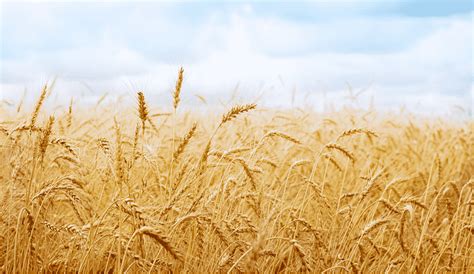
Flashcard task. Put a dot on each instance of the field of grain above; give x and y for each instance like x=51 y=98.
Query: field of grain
x=138 y=188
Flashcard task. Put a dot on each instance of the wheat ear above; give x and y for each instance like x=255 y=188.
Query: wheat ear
x=69 y=114
x=282 y=135
x=354 y=131
x=343 y=150
x=142 y=109
x=185 y=142
x=373 y=225
x=177 y=89
x=236 y=110
x=38 y=105
x=45 y=138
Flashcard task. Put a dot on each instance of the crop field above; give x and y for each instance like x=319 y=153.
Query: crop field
x=115 y=188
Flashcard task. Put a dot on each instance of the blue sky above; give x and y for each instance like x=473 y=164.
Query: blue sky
x=412 y=53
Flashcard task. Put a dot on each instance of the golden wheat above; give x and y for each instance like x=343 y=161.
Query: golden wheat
x=38 y=105
x=185 y=141
x=235 y=111
x=266 y=193
x=142 y=109
x=177 y=89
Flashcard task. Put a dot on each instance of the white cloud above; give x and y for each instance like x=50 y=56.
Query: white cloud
x=429 y=70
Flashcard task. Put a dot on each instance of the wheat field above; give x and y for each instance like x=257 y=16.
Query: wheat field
x=138 y=188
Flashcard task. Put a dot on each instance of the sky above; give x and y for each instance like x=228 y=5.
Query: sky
x=414 y=54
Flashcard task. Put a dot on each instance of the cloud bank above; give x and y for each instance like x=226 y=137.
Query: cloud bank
x=316 y=51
